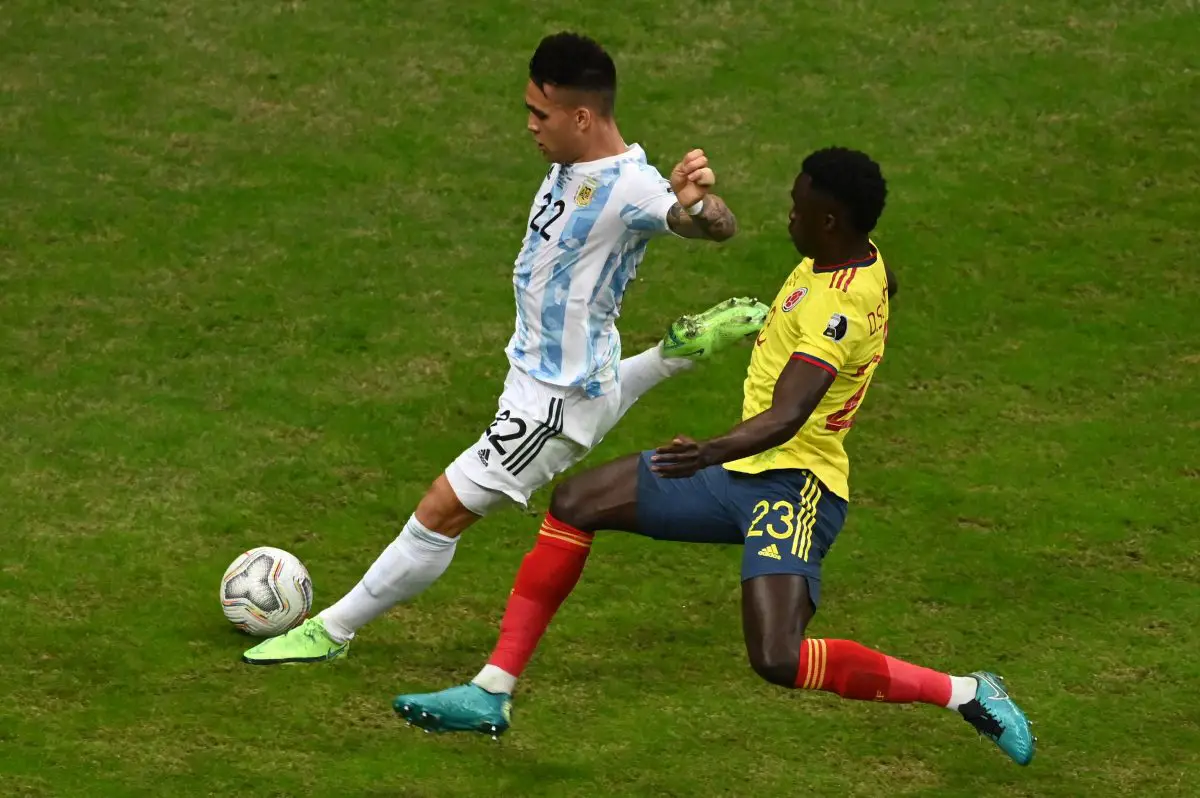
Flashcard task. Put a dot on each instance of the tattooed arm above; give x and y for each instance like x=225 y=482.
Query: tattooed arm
x=715 y=222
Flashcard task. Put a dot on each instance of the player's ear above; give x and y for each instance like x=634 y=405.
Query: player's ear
x=583 y=117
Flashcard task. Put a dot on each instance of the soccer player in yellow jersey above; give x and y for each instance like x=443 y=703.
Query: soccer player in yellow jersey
x=777 y=483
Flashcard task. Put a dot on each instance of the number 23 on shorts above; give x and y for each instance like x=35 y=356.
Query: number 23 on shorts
x=784 y=523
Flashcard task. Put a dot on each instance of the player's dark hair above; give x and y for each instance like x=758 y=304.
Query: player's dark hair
x=851 y=178
x=573 y=61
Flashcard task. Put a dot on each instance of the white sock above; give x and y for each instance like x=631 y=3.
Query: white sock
x=962 y=690
x=642 y=372
x=413 y=562
x=495 y=680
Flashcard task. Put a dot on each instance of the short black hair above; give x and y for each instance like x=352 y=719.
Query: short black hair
x=851 y=178
x=573 y=61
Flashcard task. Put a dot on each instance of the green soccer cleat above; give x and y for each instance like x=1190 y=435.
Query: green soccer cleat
x=308 y=642
x=998 y=718
x=699 y=336
x=467 y=707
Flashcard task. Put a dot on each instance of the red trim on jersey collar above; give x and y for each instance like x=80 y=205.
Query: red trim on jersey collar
x=861 y=263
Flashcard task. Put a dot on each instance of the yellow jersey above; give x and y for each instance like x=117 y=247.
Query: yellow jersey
x=835 y=318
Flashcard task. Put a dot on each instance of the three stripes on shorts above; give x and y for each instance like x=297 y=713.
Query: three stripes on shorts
x=532 y=446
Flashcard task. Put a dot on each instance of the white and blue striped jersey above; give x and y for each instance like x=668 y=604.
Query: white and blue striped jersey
x=587 y=234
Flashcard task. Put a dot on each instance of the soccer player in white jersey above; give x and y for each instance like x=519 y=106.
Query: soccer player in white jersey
x=597 y=209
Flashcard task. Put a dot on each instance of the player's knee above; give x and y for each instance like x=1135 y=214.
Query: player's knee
x=441 y=510
x=774 y=663
x=572 y=504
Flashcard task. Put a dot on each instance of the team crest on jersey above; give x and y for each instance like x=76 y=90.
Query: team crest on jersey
x=837 y=327
x=583 y=197
x=794 y=299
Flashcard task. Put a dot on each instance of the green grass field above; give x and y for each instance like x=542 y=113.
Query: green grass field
x=255 y=265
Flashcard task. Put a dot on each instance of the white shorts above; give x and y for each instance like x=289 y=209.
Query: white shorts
x=539 y=431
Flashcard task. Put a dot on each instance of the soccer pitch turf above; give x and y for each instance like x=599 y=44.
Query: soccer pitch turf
x=255 y=267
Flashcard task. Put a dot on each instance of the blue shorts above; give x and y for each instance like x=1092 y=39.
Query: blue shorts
x=786 y=520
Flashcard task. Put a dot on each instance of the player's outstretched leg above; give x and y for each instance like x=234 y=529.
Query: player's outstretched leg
x=413 y=562
x=602 y=498
x=776 y=610
x=687 y=340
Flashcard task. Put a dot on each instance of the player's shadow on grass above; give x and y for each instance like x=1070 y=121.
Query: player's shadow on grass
x=516 y=768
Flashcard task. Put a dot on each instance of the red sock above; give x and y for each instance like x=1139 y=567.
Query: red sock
x=857 y=672
x=547 y=576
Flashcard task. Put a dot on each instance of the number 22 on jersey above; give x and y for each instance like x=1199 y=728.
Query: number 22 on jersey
x=536 y=224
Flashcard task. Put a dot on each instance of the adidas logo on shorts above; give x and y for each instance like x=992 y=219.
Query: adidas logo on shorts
x=771 y=551
x=484 y=454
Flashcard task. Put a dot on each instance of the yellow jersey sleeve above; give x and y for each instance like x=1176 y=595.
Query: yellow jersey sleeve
x=824 y=328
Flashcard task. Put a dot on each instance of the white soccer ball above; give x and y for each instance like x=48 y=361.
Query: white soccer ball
x=266 y=591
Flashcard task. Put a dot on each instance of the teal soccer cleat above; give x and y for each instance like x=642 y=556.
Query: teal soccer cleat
x=467 y=707
x=998 y=718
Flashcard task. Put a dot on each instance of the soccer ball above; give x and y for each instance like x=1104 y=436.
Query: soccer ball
x=266 y=591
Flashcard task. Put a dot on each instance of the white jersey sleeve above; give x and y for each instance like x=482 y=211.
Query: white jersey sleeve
x=645 y=199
